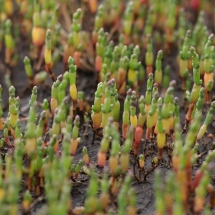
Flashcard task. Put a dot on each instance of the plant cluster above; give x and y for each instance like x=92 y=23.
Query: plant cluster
x=138 y=124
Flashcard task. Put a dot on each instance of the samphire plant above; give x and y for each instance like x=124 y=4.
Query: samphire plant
x=121 y=91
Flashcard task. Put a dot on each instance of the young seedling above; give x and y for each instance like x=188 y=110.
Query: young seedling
x=158 y=71
x=85 y=156
x=75 y=140
x=125 y=116
x=149 y=55
x=72 y=77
